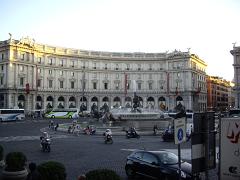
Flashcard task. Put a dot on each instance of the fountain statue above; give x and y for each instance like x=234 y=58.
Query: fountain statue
x=139 y=117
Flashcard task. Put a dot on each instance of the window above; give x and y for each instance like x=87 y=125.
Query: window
x=139 y=86
x=150 y=86
x=105 y=66
x=94 y=85
x=95 y=75
x=2 y=56
x=22 y=56
x=21 y=68
x=39 y=83
x=105 y=85
x=50 y=61
x=94 y=66
x=61 y=62
x=138 y=155
x=61 y=73
x=50 y=83
x=50 y=71
x=149 y=158
x=150 y=67
x=139 y=67
x=117 y=76
x=39 y=60
x=72 y=73
x=21 y=81
x=117 y=67
x=61 y=84
x=84 y=85
x=72 y=63
x=2 y=67
x=178 y=74
x=128 y=67
x=72 y=84
x=150 y=76
x=1 y=80
x=117 y=86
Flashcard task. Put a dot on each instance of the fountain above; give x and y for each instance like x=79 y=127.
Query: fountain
x=140 y=118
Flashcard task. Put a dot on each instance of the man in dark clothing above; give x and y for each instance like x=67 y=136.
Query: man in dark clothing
x=33 y=174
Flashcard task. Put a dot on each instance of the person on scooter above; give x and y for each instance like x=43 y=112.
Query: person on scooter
x=44 y=137
x=133 y=131
x=108 y=135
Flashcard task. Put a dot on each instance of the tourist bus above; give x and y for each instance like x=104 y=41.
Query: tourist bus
x=63 y=113
x=12 y=114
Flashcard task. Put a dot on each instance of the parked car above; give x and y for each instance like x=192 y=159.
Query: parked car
x=157 y=165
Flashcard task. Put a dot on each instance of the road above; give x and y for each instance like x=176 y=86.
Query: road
x=79 y=154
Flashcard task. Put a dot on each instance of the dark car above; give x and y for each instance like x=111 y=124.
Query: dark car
x=156 y=165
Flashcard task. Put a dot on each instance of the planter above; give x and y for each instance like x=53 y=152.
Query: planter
x=14 y=175
x=2 y=163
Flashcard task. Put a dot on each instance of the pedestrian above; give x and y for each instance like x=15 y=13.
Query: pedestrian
x=33 y=174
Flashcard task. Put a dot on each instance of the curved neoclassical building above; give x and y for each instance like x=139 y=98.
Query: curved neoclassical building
x=39 y=76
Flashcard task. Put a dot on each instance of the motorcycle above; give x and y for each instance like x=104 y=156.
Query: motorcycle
x=108 y=139
x=45 y=144
x=132 y=134
x=89 y=130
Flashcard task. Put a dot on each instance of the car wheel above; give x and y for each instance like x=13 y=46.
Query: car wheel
x=130 y=173
x=70 y=117
x=53 y=116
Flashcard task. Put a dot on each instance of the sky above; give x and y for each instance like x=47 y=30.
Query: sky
x=208 y=27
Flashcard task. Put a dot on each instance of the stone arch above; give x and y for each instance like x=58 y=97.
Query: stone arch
x=150 y=102
x=39 y=102
x=179 y=100
x=116 y=102
x=105 y=100
x=61 y=102
x=162 y=103
x=21 y=101
x=84 y=103
x=94 y=103
x=72 y=102
x=128 y=102
x=49 y=102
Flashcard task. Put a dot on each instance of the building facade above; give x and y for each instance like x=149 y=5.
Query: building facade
x=219 y=94
x=39 y=76
x=236 y=66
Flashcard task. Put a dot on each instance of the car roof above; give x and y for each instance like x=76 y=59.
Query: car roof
x=154 y=152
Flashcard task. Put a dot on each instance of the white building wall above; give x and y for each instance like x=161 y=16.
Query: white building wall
x=177 y=64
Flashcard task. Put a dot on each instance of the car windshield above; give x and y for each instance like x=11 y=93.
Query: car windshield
x=168 y=158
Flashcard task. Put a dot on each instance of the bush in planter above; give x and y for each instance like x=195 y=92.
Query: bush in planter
x=102 y=174
x=52 y=170
x=15 y=161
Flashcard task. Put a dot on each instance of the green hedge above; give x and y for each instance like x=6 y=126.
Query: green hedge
x=102 y=174
x=52 y=170
x=1 y=153
x=15 y=161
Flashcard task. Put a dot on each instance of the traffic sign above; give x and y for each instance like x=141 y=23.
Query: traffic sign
x=179 y=130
